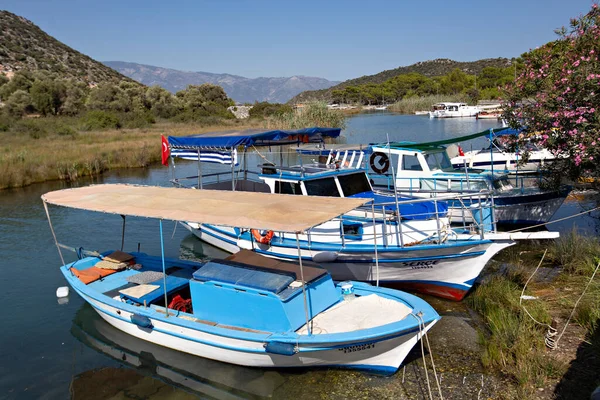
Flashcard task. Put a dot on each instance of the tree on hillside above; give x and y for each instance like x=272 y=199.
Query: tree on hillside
x=19 y=103
x=161 y=102
x=456 y=82
x=204 y=100
x=557 y=95
x=22 y=80
x=76 y=95
x=47 y=96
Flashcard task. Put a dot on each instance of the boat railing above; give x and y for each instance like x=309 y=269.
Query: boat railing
x=197 y=181
x=432 y=185
x=480 y=207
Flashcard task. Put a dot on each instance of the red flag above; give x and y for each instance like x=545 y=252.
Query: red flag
x=460 y=151
x=165 y=150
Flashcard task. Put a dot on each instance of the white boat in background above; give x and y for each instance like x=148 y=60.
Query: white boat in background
x=424 y=170
x=498 y=158
x=421 y=112
x=453 y=110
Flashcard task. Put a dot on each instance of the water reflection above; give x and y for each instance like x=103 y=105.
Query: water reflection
x=201 y=376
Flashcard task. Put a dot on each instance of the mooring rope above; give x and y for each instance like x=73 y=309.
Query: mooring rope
x=577 y=302
x=550 y=338
x=555 y=221
x=437 y=381
x=551 y=333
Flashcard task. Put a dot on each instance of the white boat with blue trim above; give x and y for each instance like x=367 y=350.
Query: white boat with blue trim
x=408 y=243
x=497 y=157
x=247 y=309
x=424 y=170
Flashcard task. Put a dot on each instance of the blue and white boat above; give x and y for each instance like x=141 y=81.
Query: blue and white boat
x=424 y=170
x=247 y=309
x=408 y=243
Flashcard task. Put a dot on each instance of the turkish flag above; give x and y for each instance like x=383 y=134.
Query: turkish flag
x=460 y=151
x=165 y=150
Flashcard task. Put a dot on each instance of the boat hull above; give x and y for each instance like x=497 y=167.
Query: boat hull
x=383 y=354
x=447 y=270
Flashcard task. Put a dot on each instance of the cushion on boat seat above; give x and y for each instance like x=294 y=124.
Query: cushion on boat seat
x=111 y=265
x=118 y=256
x=245 y=275
x=145 y=277
x=139 y=290
x=92 y=274
x=173 y=284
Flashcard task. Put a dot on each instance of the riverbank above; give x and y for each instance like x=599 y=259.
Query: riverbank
x=25 y=160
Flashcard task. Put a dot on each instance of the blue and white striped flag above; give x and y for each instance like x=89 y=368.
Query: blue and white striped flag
x=217 y=157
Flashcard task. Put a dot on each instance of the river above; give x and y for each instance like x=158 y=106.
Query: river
x=50 y=350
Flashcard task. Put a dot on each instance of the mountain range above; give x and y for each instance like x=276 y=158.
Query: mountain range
x=239 y=88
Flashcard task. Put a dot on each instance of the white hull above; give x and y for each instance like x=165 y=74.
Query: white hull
x=380 y=354
x=444 y=271
x=503 y=161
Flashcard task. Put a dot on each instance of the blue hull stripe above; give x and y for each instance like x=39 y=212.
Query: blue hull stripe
x=381 y=261
x=257 y=351
x=348 y=248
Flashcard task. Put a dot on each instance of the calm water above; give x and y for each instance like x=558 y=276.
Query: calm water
x=45 y=347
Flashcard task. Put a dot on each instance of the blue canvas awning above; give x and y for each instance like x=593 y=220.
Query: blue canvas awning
x=253 y=137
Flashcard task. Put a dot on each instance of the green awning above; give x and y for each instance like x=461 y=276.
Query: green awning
x=437 y=143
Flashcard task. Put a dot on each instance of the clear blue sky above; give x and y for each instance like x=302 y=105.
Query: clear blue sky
x=336 y=40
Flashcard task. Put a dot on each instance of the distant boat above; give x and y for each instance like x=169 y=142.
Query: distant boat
x=489 y=114
x=384 y=107
x=453 y=110
x=421 y=112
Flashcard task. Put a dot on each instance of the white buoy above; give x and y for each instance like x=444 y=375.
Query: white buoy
x=62 y=291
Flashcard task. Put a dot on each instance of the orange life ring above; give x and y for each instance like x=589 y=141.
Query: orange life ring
x=266 y=239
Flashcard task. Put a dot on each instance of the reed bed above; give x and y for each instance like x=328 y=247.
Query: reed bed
x=312 y=114
x=25 y=160
x=411 y=104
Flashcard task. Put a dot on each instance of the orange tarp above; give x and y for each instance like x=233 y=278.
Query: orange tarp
x=92 y=274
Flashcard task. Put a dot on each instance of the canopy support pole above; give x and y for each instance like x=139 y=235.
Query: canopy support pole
x=303 y=284
x=123 y=233
x=245 y=165
x=398 y=236
x=162 y=256
x=199 y=171
x=375 y=240
x=53 y=234
x=232 y=172
x=492 y=152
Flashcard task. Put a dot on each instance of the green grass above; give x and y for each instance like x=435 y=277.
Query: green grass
x=512 y=342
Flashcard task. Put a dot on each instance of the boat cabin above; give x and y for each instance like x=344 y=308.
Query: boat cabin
x=428 y=170
x=448 y=106
x=268 y=291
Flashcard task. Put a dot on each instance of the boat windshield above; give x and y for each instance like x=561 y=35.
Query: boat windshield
x=354 y=183
x=438 y=160
x=322 y=187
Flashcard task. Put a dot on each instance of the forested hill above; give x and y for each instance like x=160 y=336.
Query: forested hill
x=438 y=67
x=24 y=46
